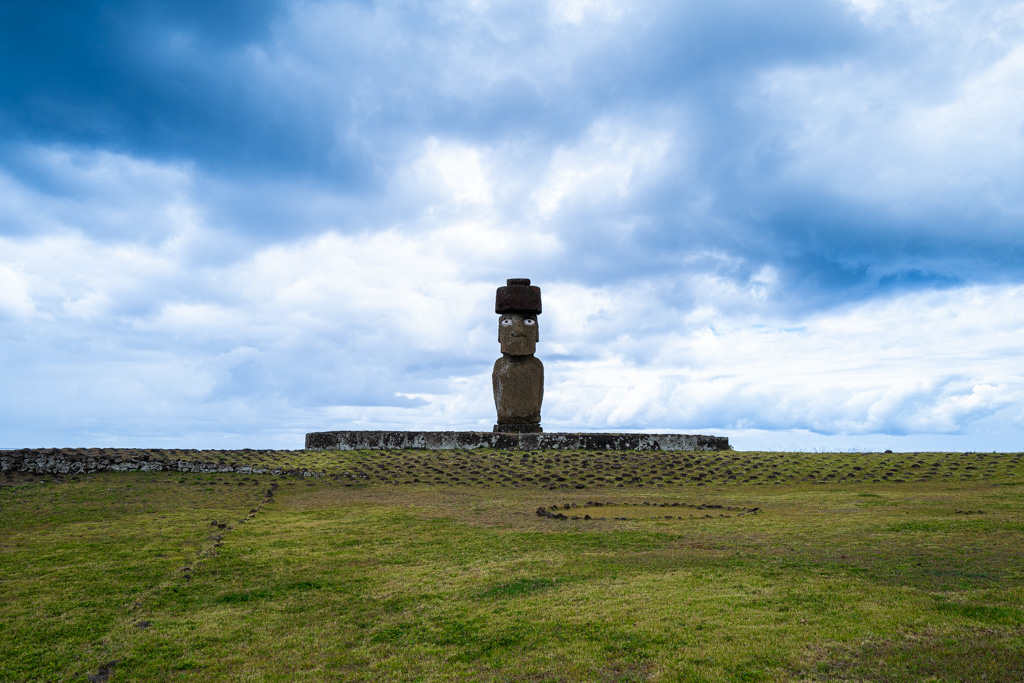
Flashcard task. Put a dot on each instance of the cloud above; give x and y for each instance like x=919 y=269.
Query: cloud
x=895 y=165
x=915 y=157
x=746 y=216
x=607 y=165
x=60 y=189
x=887 y=366
x=392 y=328
x=580 y=11
x=453 y=173
x=14 y=298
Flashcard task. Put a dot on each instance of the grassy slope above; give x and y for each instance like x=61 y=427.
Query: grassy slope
x=353 y=578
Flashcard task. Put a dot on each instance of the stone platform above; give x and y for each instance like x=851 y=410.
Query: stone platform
x=380 y=440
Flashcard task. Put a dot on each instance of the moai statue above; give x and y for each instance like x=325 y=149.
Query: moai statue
x=518 y=376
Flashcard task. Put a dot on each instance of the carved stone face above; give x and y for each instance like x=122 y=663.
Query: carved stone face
x=518 y=333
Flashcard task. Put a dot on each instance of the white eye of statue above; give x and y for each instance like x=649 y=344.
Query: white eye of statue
x=505 y=322
x=530 y=321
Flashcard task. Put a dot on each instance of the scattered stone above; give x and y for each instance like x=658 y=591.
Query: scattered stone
x=741 y=511
x=560 y=471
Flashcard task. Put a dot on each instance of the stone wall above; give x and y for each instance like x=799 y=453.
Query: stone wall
x=86 y=460
x=381 y=440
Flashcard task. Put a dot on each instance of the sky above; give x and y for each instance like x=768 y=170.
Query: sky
x=798 y=224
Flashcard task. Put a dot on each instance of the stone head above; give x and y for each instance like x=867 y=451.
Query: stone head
x=518 y=334
x=518 y=304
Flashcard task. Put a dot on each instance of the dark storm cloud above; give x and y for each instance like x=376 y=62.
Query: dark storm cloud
x=161 y=80
x=173 y=79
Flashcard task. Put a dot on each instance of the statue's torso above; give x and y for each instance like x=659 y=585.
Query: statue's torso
x=518 y=389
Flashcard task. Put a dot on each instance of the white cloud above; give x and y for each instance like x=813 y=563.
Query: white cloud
x=115 y=195
x=942 y=128
x=73 y=276
x=365 y=62
x=394 y=328
x=611 y=160
x=14 y=296
x=455 y=172
x=919 y=363
x=866 y=8
x=580 y=11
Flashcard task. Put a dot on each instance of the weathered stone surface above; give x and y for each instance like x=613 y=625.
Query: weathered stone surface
x=519 y=428
x=517 y=296
x=382 y=440
x=518 y=377
x=518 y=334
x=518 y=383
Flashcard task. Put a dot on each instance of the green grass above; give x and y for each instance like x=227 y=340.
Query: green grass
x=164 y=576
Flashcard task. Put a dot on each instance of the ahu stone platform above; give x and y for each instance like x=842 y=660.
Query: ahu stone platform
x=381 y=440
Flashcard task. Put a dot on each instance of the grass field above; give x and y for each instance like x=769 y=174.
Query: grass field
x=437 y=566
